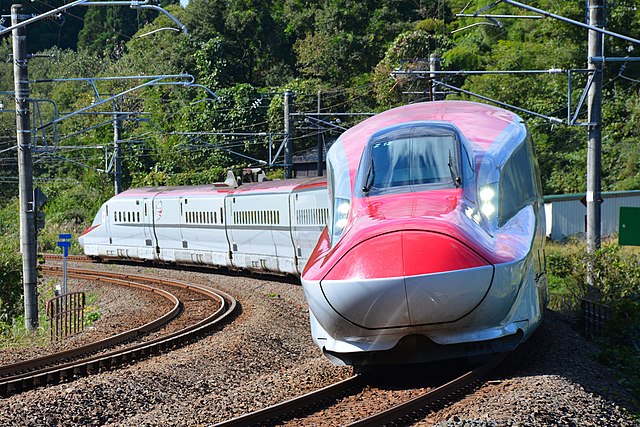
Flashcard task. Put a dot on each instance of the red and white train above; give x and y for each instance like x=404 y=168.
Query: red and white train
x=435 y=243
x=270 y=226
x=430 y=228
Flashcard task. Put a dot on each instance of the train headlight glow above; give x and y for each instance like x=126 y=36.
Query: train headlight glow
x=340 y=215
x=488 y=200
x=487 y=194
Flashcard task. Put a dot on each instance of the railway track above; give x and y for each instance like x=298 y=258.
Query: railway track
x=295 y=410
x=92 y=358
x=71 y=258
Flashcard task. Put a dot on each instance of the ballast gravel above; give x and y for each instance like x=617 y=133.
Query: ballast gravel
x=265 y=355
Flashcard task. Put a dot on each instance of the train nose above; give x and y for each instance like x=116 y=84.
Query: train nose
x=407 y=278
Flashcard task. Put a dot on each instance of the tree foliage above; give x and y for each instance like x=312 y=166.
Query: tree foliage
x=248 y=52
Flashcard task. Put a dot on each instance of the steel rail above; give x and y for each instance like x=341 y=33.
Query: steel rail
x=12 y=384
x=23 y=367
x=432 y=396
x=283 y=411
x=292 y=405
x=71 y=258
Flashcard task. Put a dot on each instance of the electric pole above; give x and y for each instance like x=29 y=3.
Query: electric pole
x=117 y=153
x=434 y=65
x=25 y=172
x=288 y=143
x=320 y=145
x=594 y=144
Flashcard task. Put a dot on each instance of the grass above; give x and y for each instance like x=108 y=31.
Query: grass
x=618 y=282
x=16 y=335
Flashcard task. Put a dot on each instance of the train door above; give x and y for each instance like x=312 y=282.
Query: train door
x=285 y=252
x=250 y=220
x=166 y=223
x=106 y=223
x=309 y=214
x=150 y=241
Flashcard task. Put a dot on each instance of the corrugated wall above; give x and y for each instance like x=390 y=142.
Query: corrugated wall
x=566 y=215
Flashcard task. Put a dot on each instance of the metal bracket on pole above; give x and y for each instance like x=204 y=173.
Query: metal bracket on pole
x=132 y=4
x=504 y=104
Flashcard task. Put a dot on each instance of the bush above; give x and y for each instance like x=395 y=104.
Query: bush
x=10 y=281
x=617 y=273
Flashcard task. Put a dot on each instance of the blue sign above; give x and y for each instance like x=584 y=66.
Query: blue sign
x=65 y=243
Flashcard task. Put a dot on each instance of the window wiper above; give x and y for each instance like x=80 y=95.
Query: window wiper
x=457 y=181
x=368 y=183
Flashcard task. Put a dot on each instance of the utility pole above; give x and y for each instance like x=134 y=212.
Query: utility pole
x=25 y=172
x=320 y=148
x=434 y=65
x=594 y=144
x=117 y=153
x=288 y=143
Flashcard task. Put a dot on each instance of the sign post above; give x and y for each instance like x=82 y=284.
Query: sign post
x=64 y=243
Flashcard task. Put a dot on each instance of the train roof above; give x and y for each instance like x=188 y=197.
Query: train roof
x=282 y=186
x=277 y=186
x=487 y=128
x=481 y=124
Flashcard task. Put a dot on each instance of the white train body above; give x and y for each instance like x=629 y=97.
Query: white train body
x=270 y=227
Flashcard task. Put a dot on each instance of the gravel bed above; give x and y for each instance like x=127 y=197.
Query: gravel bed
x=551 y=380
x=265 y=355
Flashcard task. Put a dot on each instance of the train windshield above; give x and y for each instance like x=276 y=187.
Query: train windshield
x=407 y=158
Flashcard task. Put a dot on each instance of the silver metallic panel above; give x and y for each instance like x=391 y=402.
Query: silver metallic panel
x=448 y=296
x=369 y=303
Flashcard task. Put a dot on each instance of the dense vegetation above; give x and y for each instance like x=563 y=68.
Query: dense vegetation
x=248 y=52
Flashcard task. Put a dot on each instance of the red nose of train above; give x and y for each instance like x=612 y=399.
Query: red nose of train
x=407 y=278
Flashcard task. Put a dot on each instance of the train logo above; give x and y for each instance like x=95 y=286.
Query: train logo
x=158 y=211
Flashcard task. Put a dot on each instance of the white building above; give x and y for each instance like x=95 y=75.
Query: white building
x=566 y=214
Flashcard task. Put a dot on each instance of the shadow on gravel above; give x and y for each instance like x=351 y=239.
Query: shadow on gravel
x=558 y=349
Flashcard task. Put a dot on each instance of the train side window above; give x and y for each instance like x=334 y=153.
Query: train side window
x=138 y=216
x=517 y=186
x=221 y=217
x=115 y=216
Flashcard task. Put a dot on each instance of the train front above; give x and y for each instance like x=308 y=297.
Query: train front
x=411 y=267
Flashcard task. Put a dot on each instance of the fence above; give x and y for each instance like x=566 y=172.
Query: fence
x=66 y=314
x=594 y=316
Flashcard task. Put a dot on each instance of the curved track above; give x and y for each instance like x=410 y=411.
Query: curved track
x=70 y=258
x=60 y=366
x=412 y=409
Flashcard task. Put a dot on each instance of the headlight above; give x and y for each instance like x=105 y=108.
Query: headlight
x=340 y=215
x=488 y=200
